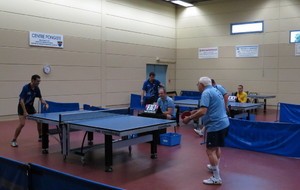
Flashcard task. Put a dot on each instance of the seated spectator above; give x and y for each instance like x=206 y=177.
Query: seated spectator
x=166 y=104
x=241 y=95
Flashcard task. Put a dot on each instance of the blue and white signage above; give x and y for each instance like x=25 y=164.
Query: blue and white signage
x=246 y=51
x=46 y=40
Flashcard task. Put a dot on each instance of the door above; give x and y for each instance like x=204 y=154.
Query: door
x=160 y=72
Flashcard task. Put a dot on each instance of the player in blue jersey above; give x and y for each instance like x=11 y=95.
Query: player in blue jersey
x=150 y=89
x=214 y=117
x=223 y=91
x=25 y=107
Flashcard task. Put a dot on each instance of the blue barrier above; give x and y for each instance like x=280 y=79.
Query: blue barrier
x=92 y=108
x=289 y=113
x=60 y=107
x=47 y=179
x=268 y=137
x=128 y=111
x=190 y=93
x=13 y=174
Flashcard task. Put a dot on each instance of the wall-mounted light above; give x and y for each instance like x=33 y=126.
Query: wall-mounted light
x=181 y=3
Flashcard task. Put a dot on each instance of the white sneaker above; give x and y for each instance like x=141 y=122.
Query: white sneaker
x=209 y=167
x=14 y=144
x=213 y=181
x=198 y=132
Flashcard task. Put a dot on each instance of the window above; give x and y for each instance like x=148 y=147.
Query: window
x=295 y=36
x=247 y=27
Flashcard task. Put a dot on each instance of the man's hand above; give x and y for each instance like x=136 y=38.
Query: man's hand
x=46 y=106
x=186 y=120
x=25 y=114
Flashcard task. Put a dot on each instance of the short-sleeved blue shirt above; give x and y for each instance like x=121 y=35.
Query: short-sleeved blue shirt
x=215 y=118
x=29 y=95
x=165 y=104
x=221 y=89
x=151 y=88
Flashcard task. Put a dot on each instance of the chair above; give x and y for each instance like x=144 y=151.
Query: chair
x=135 y=102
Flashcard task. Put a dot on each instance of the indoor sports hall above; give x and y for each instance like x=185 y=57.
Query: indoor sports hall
x=85 y=66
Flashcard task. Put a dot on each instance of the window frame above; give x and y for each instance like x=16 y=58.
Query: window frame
x=243 y=23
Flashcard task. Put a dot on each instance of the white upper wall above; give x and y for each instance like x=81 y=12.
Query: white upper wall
x=208 y=25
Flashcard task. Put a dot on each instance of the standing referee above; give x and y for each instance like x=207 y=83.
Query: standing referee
x=214 y=117
x=25 y=106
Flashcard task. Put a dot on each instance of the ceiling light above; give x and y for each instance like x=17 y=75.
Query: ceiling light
x=182 y=3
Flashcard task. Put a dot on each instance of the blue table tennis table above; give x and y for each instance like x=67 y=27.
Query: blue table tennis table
x=264 y=97
x=236 y=106
x=112 y=122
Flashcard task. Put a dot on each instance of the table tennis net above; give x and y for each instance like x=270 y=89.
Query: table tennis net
x=93 y=114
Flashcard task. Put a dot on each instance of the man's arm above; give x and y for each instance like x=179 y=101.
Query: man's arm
x=169 y=111
x=142 y=96
x=46 y=106
x=199 y=113
x=226 y=102
x=161 y=85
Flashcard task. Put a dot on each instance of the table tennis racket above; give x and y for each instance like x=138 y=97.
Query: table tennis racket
x=185 y=114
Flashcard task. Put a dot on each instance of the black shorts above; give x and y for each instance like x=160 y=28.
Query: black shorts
x=29 y=108
x=216 y=138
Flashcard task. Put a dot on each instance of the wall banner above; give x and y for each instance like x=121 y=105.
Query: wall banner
x=46 y=40
x=208 y=53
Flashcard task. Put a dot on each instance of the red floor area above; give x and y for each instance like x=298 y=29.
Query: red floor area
x=177 y=168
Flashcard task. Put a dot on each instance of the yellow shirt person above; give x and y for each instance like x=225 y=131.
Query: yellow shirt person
x=241 y=95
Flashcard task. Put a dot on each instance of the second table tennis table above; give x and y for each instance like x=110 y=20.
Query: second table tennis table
x=108 y=122
x=236 y=106
x=264 y=97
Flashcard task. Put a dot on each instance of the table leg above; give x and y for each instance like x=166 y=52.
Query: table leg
x=177 y=115
x=45 y=138
x=265 y=105
x=255 y=101
x=90 y=138
x=108 y=153
x=154 y=143
x=65 y=140
x=248 y=116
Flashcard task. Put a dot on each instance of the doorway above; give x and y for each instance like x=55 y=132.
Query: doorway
x=160 y=72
